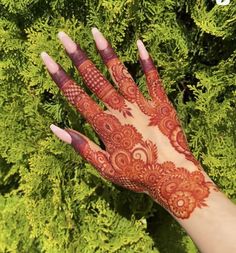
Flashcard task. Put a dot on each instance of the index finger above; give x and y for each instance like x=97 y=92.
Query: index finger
x=74 y=93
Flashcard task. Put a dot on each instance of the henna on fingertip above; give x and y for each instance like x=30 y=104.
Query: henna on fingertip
x=54 y=69
x=147 y=64
x=103 y=46
x=144 y=58
x=93 y=78
x=74 y=51
x=78 y=142
x=78 y=57
x=108 y=54
x=60 y=77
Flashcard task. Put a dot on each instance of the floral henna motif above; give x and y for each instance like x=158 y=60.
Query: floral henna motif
x=160 y=111
x=132 y=163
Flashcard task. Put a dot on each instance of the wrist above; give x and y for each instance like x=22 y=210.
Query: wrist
x=179 y=190
x=194 y=201
x=213 y=227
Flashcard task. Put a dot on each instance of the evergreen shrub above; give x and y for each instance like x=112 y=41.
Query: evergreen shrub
x=52 y=200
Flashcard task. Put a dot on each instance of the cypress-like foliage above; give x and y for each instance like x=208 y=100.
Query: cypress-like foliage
x=52 y=200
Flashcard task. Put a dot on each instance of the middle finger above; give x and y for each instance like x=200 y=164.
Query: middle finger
x=93 y=78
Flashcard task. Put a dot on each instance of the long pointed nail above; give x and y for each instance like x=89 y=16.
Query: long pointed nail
x=143 y=53
x=144 y=57
x=77 y=55
x=51 y=65
x=67 y=42
x=100 y=40
x=61 y=134
x=106 y=51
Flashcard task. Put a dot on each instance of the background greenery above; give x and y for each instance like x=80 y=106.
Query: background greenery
x=53 y=201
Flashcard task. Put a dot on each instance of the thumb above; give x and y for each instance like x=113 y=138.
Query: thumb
x=87 y=149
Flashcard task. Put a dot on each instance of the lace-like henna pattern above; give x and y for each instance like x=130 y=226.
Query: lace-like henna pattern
x=132 y=163
x=97 y=83
x=76 y=95
x=100 y=86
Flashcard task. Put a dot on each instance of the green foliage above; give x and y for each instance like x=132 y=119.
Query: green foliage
x=53 y=201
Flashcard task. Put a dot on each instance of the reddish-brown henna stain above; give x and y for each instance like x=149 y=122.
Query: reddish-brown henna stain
x=129 y=160
x=132 y=163
x=159 y=110
x=97 y=82
x=102 y=88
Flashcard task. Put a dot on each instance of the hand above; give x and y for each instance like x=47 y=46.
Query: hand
x=146 y=149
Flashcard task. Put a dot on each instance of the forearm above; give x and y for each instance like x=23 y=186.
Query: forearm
x=212 y=227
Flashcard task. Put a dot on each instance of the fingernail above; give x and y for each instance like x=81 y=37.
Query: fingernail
x=144 y=57
x=104 y=48
x=101 y=42
x=78 y=142
x=77 y=55
x=143 y=53
x=56 y=72
x=61 y=134
x=67 y=42
x=51 y=65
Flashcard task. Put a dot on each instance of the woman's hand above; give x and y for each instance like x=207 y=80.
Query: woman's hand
x=146 y=149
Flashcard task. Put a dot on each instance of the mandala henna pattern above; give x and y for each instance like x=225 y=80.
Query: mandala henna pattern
x=132 y=163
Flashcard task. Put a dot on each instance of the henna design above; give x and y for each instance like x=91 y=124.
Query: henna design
x=120 y=75
x=97 y=82
x=130 y=160
x=78 y=56
x=76 y=95
x=162 y=112
x=155 y=87
x=108 y=54
x=102 y=88
x=132 y=163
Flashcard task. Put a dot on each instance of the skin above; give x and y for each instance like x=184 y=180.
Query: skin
x=146 y=148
